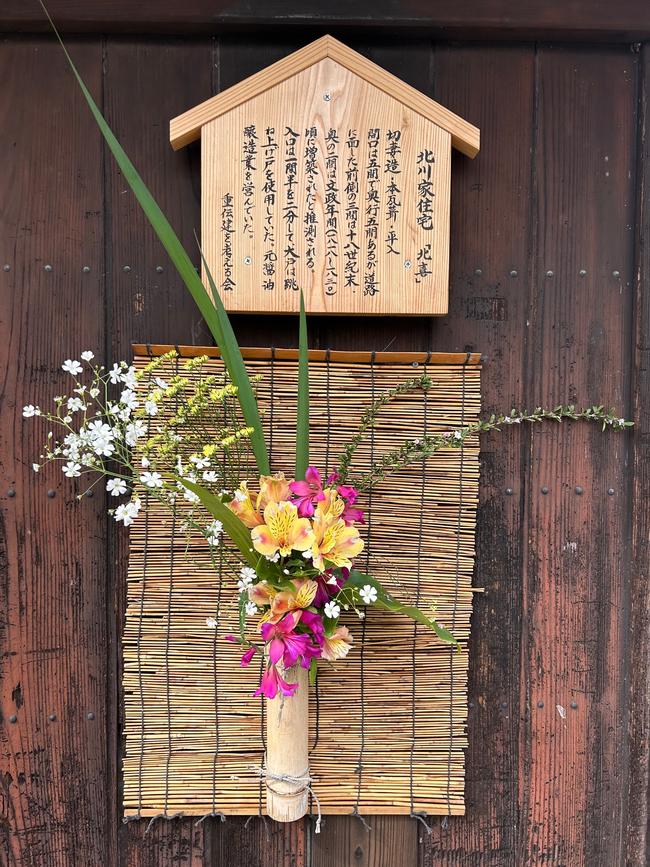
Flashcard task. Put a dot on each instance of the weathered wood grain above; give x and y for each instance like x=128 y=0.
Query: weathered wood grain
x=53 y=603
x=636 y=844
x=477 y=19
x=576 y=603
x=490 y=262
x=147 y=301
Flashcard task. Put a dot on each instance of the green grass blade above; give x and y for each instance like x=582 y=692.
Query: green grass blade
x=213 y=313
x=302 y=423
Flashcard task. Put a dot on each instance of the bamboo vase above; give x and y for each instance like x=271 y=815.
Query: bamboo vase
x=287 y=756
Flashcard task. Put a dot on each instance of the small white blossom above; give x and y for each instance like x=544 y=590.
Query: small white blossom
x=145 y=463
x=103 y=447
x=151 y=480
x=333 y=581
x=200 y=462
x=161 y=383
x=134 y=430
x=368 y=594
x=36 y=467
x=210 y=476
x=72 y=367
x=30 y=410
x=128 y=399
x=75 y=404
x=116 y=487
x=210 y=622
x=273 y=558
x=115 y=374
x=67 y=419
x=332 y=610
x=151 y=407
x=251 y=609
x=621 y=422
x=72 y=470
x=87 y=355
x=457 y=435
x=213 y=532
x=129 y=378
x=127 y=512
x=247 y=578
x=94 y=392
x=240 y=496
x=308 y=554
x=80 y=390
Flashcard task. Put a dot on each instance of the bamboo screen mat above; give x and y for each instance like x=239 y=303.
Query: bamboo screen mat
x=387 y=724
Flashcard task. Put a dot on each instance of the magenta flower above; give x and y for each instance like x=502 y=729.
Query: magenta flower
x=329 y=585
x=284 y=643
x=272 y=681
x=314 y=623
x=350 y=514
x=308 y=492
x=247 y=656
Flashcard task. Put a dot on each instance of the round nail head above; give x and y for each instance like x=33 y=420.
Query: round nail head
x=90 y=494
x=47 y=268
x=52 y=717
x=549 y=273
x=513 y=273
x=574 y=705
x=159 y=269
x=610 y=491
x=7 y=268
x=11 y=492
x=327 y=96
x=540 y=704
x=545 y=490
x=478 y=272
x=509 y=491
x=13 y=718
x=247 y=260
x=86 y=269
x=616 y=273
x=90 y=715
x=126 y=269
x=407 y=263
x=51 y=494
x=582 y=272
x=578 y=489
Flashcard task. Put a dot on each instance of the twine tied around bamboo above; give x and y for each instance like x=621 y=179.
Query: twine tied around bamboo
x=303 y=780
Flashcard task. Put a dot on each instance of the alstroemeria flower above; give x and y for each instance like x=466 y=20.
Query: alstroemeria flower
x=335 y=542
x=272 y=681
x=314 y=622
x=350 y=514
x=284 y=643
x=337 y=645
x=308 y=492
x=328 y=586
x=242 y=505
x=288 y=600
x=282 y=531
x=247 y=656
x=261 y=593
x=273 y=489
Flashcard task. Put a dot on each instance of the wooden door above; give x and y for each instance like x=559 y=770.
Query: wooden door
x=549 y=269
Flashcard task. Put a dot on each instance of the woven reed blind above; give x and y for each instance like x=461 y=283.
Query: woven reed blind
x=387 y=725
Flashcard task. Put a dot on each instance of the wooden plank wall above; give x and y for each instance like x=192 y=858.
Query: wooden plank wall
x=557 y=768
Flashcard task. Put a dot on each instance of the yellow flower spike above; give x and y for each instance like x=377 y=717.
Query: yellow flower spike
x=282 y=531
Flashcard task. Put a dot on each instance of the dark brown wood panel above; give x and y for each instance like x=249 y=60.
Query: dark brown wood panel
x=146 y=297
x=625 y=21
x=573 y=763
x=53 y=601
x=637 y=650
x=490 y=276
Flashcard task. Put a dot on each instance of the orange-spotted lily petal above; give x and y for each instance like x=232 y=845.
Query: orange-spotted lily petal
x=335 y=542
x=274 y=489
x=282 y=531
x=337 y=645
x=242 y=505
x=289 y=600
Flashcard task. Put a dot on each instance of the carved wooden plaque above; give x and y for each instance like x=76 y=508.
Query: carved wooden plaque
x=322 y=181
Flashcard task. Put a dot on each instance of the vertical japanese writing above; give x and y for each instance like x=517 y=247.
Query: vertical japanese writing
x=351 y=249
x=425 y=162
x=331 y=212
x=372 y=206
x=248 y=185
x=290 y=212
x=227 y=229
x=269 y=190
x=311 y=170
x=393 y=202
x=423 y=264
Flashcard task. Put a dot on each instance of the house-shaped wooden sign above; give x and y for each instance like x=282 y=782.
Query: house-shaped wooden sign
x=324 y=172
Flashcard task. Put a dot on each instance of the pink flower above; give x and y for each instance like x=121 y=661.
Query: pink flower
x=247 y=656
x=284 y=643
x=349 y=493
x=350 y=515
x=314 y=623
x=308 y=492
x=272 y=681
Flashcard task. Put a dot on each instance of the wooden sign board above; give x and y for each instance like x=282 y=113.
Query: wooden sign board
x=323 y=173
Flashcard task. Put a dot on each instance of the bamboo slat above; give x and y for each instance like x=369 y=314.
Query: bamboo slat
x=391 y=741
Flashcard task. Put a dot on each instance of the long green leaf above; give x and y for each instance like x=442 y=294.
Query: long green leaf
x=302 y=422
x=357 y=580
x=237 y=531
x=213 y=313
